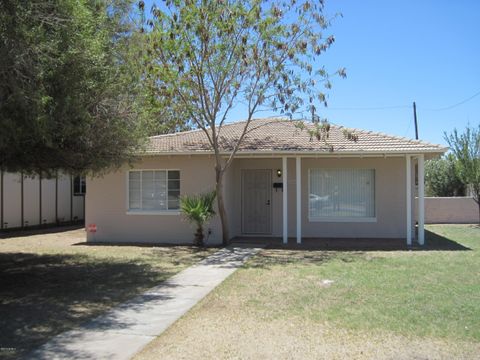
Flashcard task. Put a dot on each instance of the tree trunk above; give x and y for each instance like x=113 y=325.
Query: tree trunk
x=221 y=206
x=199 y=236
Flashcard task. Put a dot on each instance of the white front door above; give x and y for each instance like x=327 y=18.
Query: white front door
x=256 y=201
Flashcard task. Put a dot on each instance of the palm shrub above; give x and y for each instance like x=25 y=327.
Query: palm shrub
x=198 y=209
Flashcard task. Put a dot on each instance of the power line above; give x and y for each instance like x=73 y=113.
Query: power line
x=369 y=108
x=455 y=105
x=408 y=128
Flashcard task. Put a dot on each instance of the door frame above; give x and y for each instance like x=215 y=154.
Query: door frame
x=270 y=207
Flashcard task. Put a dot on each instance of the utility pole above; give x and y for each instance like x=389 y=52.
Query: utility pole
x=415 y=119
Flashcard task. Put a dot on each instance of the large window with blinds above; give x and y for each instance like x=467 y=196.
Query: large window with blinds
x=342 y=195
x=153 y=190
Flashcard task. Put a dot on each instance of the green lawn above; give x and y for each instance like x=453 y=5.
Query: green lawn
x=50 y=283
x=381 y=304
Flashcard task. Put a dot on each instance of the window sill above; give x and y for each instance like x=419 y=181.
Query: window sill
x=153 y=212
x=343 y=219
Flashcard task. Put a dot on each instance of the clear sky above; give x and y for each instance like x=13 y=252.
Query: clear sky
x=397 y=52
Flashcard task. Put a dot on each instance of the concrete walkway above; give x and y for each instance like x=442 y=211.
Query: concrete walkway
x=126 y=329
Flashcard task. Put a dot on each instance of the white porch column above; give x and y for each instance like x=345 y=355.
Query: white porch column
x=421 y=200
x=299 y=198
x=285 y=199
x=408 y=181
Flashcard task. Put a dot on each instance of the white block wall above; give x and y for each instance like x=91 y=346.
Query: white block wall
x=69 y=206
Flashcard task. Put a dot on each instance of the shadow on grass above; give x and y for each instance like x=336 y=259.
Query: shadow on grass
x=43 y=295
x=319 y=251
x=273 y=257
x=147 y=245
x=40 y=230
x=433 y=242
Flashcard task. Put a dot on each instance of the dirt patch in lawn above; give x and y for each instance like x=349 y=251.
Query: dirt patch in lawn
x=226 y=336
x=48 y=284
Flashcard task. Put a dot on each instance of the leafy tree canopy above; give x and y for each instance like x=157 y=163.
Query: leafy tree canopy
x=466 y=149
x=205 y=58
x=442 y=179
x=70 y=95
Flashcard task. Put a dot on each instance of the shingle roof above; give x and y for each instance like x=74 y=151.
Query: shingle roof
x=278 y=135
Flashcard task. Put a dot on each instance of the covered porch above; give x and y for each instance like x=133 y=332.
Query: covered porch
x=398 y=201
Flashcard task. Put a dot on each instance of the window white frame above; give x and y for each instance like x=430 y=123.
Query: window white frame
x=372 y=219
x=149 y=212
x=82 y=185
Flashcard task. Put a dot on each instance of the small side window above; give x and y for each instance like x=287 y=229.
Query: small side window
x=79 y=186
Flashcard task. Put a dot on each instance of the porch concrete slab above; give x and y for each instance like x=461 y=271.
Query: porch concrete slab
x=126 y=329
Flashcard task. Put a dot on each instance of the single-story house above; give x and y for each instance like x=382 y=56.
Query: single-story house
x=282 y=183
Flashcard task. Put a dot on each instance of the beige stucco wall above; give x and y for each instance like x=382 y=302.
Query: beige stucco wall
x=106 y=204
x=12 y=205
x=454 y=210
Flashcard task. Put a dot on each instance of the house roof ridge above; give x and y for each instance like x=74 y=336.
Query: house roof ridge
x=174 y=134
x=390 y=136
x=233 y=123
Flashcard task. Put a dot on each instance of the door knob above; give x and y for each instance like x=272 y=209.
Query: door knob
x=268 y=202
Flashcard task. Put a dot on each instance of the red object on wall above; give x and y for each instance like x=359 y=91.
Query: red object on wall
x=92 y=228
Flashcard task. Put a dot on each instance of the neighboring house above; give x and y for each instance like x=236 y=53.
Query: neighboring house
x=282 y=183
x=27 y=201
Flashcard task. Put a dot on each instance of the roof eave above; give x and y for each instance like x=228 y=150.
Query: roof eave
x=439 y=151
